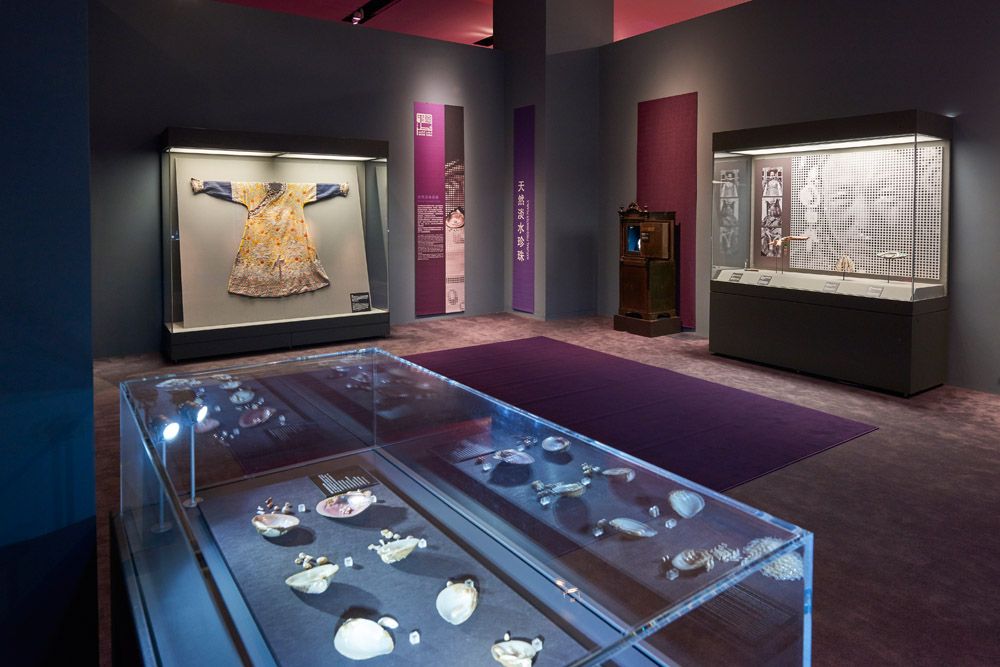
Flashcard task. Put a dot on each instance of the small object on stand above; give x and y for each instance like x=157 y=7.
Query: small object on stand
x=302 y=507
x=670 y=523
x=415 y=637
x=654 y=511
x=348 y=562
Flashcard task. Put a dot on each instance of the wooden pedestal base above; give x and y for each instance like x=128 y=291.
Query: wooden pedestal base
x=663 y=326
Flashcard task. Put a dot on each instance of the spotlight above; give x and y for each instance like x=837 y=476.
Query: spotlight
x=165 y=429
x=357 y=17
x=193 y=411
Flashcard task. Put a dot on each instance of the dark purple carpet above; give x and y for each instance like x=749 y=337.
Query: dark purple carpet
x=714 y=435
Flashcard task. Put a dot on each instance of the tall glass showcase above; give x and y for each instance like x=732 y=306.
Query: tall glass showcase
x=271 y=241
x=812 y=212
x=356 y=507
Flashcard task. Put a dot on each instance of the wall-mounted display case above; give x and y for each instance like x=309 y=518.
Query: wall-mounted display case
x=271 y=241
x=355 y=506
x=828 y=232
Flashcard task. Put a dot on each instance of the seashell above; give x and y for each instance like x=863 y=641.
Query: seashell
x=555 y=443
x=241 y=397
x=256 y=417
x=345 y=505
x=686 y=503
x=631 y=527
x=313 y=581
x=388 y=622
x=230 y=385
x=398 y=549
x=456 y=602
x=892 y=254
x=690 y=560
x=514 y=457
x=516 y=652
x=625 y=474
x=568 y=490
x=274 y=525
x=361 y=639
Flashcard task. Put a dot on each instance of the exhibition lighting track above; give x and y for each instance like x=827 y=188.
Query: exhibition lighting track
x=294 y=156
x=835 y=145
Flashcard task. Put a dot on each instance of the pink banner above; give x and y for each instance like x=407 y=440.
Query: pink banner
x=667 y=178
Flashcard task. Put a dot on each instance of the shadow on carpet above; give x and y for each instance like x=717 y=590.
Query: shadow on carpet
x=709 y=433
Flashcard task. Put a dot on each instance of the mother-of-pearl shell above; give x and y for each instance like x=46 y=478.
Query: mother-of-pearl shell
x=631 y=527
x=397 y=550
x=456 y=602
x=686 y=503
x=625 y=474
x=313 y=581
x=555 y=443
x=514 y=457
x=693 y=559
x=515 y=652
x=274 y=525
x=361 y=639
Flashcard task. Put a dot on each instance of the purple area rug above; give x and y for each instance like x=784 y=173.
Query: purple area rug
x=709 y=433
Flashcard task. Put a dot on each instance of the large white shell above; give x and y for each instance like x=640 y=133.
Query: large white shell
x=346 y=505
x=397 y=550
x=686 y=503
x=274 y=525
x=456 y=602
x=361 y=639
x=555 y=443
x=631 y=527
x=624 y=474
x=313 y=581
x=515 y=652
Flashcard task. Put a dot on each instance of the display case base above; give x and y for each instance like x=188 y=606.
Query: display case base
x=896 y=346
x=663 y=326
x=180 y=344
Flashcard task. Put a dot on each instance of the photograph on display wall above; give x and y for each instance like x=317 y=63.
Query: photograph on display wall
x=771 y=219
x=771 y=179
x=770 y=227
x=733 y=239
x=262 y=239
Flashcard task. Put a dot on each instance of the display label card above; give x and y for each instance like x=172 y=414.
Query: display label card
x=736 y=277
x=343 y=480
x=875 y=291
x=831 y=286
x=764 y=280
x=360 y=302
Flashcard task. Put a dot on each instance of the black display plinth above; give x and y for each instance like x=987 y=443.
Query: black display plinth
x=663 y=326
x=896 y=346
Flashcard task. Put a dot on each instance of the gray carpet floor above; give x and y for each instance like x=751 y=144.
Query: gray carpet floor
x=906 y=519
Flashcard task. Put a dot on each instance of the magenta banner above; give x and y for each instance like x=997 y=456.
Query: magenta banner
x=439 y=208
x=523 y=292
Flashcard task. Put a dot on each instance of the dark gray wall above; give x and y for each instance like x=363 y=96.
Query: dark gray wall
x=779 y=61
x=208 y=64
x=46 y=396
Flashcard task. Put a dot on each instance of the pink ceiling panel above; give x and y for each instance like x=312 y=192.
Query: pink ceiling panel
x=463 y=21
x=332 y=10
x=634 y=17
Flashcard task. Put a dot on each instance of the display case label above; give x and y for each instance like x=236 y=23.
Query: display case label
x=360 y=302
x=875 y=291
x=343 y=480
x=736 y=277
x=764 y=280
x=831 y=286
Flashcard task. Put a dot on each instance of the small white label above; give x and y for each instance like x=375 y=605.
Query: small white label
x=736 y=277
x=764 y=280
x=831 y=286
x=875 y=291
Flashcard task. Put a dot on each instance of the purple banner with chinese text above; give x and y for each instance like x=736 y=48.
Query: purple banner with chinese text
x=523 y=289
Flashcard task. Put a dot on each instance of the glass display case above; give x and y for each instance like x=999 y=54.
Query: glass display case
x=271 y=241
x=854 y=206
x=356 y=506
x=830 y=232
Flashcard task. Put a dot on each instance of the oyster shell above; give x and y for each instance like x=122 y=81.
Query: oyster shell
x=690 y=560
x=229 y=385
x=241 y=397
x=274 y=525
x=345 y=505
x=568 y=490
x=555 y=443
x=361 y=639
x=515 y=652
x=631 y=527
x=456 y=602
x=396 y=550
x=313 y=581
x=624 y=474
x=256 y=417
x=514 y=457
x=686 y=503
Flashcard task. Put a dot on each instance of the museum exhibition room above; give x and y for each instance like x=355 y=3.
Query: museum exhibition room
x=518 y=332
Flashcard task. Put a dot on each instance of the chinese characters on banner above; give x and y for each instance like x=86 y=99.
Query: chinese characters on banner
x=439 y=208
x=523 y=292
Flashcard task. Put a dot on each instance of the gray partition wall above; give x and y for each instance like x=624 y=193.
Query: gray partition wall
x=197 y=63
x=770 y=62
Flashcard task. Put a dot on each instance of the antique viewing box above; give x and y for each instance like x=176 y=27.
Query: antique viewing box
x=355 y=505
x=647 y=274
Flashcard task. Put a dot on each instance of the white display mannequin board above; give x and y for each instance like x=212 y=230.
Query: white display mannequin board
x=210 y=230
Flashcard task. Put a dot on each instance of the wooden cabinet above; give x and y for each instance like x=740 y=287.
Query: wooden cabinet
x=647 y=274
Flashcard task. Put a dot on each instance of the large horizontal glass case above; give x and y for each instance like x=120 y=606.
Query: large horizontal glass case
x=271 y=241
x=355 y=506
x=831 y=232
x=856 y=206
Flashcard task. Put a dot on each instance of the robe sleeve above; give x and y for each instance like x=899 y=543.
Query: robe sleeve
x=327 y=190
x=220 y=189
